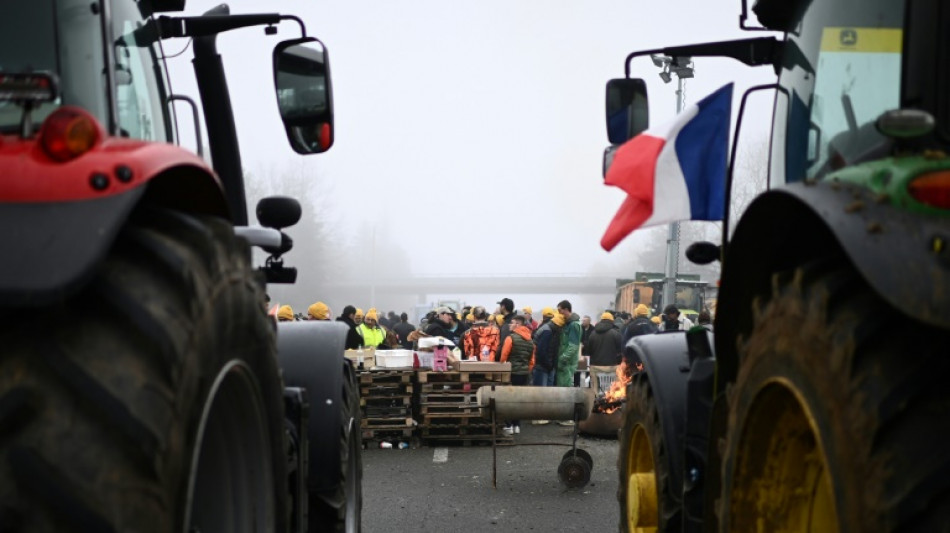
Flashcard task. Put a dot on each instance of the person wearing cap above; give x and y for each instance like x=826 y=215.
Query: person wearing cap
x=373 y=335
x=529 y=320
x=318 y=311
x=519 y=350
x=480 y=341
x=604 y=349
x=548 y=339
x=640 y=325
x=673 y=321
x=285 y=314
x=353 y=339
x=445 y=324
x=358 y=317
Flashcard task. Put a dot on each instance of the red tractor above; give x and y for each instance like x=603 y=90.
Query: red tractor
x=143 y=386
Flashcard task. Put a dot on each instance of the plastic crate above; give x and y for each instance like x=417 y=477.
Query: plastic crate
x=394 y=358
x=605 y=381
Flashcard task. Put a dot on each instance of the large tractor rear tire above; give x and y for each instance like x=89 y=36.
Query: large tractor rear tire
x=150 y=401
x=645 y=490
x=837 y=417
x=341 y=512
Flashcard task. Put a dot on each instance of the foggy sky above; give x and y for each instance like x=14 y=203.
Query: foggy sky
x=471 y=133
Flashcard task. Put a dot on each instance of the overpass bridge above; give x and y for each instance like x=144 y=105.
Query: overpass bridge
x=496 y=283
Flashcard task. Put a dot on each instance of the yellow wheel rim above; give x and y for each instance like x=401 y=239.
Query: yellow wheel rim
x=780 y=481
x=642 y=513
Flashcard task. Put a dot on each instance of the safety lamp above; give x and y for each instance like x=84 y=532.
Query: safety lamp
x=69 y=132
x=932 y=189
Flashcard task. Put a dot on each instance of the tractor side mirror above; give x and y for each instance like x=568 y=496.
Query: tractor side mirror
x=628 y=112
x=278 y=212
x=703 y=252
x=304 y=94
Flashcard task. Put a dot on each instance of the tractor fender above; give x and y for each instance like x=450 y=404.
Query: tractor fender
x=665 y=360
x=903 y=256
x=57 y=230
x=310 y=354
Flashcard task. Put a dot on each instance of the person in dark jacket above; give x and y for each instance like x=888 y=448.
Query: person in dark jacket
x=640 y=325
x=445 y=324
x=548 y=339
x=604 y=349
x=353 y=338
x=402 y=329
x=506 y=308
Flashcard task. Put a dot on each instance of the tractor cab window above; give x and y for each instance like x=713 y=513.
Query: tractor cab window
x=851 y=75
x=139 y=74
x=58 y=36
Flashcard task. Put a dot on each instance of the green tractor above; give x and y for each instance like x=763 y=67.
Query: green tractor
x=820 y=404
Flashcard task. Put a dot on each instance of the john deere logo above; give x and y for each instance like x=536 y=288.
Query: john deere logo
x=849 y=37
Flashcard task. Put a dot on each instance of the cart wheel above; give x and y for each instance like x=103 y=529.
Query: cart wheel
x=582 y=454
x=573 y=472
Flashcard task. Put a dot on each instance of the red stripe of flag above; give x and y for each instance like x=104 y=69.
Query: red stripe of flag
x=634 y=171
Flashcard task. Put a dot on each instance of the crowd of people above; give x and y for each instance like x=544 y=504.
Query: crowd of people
x=543 y=354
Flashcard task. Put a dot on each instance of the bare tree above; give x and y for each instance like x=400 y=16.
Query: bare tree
x=315 y=244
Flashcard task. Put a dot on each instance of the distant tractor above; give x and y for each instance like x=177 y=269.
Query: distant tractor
x=647 y=288
x=824 y=406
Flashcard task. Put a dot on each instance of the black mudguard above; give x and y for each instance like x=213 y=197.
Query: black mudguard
x=666 y=363
x=50 y=249
x=310 y=354
x=894 y=250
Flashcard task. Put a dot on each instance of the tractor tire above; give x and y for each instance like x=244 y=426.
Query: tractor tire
x=835 y=416
x=151 y=400
x=645 y=490
x=341 y=512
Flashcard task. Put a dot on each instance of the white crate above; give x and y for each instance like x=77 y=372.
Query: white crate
x=394 y=358
x=425 y=359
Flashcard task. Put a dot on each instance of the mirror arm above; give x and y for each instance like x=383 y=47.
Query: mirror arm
x=753 y=52
x=298 y=20
x=214 y=24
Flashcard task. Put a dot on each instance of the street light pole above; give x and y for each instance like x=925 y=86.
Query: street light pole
x=682 y=68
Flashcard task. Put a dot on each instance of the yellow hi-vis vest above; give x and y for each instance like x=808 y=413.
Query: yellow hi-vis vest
x=372 y=337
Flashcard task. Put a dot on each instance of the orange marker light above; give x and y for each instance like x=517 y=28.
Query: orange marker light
x=68 y=133
x=932 y=189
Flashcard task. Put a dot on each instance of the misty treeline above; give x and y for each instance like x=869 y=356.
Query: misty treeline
x=335 y=251
x=645 y=250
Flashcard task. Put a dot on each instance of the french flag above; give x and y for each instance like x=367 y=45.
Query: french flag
x=673 y=172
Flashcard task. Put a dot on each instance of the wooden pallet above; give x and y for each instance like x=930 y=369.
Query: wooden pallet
x=387 y=433
x=494 y=378
x=402 y=399
x=459 y=386
x=448 y=397
x=391 y=411
x=448 y=409
x=443 y=420
x=386 y=422
x=386 y=376
x=385 y=390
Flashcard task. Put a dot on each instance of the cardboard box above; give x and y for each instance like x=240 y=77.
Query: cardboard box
x=481 y=366
x=477 y=366
x=362 y=359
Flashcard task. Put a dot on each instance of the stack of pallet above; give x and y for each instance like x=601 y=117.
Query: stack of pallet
x=448 y=408
x=386 y=406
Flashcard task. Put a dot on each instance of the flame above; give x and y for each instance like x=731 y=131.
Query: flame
x=618 y=390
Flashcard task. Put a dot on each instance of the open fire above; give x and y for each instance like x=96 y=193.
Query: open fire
x=617 y=394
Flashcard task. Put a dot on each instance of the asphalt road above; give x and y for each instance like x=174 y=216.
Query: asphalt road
x=441 y=489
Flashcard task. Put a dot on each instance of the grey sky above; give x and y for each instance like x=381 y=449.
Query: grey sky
x=457 y=120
